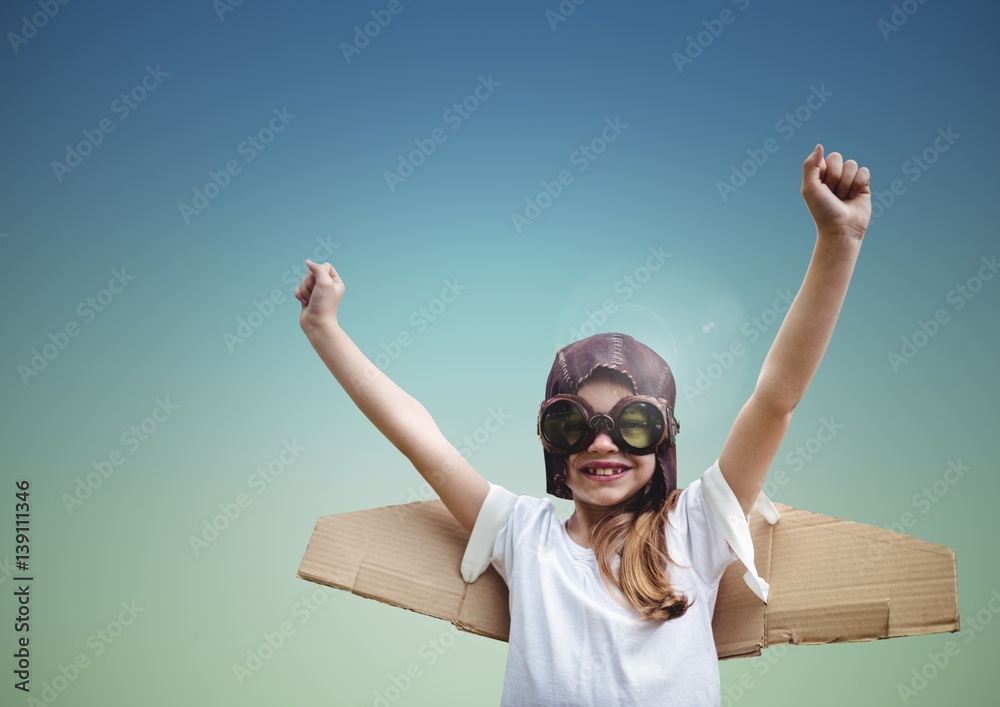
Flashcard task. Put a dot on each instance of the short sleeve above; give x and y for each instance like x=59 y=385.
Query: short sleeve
x=707 y=550
x=724 y=509
x=489 y=541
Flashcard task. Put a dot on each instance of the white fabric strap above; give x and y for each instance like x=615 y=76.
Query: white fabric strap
x=728 y=514
x=492 y=516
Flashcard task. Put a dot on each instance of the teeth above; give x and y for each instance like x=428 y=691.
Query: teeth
x=603 y=471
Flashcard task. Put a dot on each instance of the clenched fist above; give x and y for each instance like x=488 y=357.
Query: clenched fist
x=837 y=194
x=320 y=293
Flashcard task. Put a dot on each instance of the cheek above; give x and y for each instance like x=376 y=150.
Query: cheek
x=647 y=466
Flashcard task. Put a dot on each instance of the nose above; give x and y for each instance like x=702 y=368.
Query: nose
x=603 y=442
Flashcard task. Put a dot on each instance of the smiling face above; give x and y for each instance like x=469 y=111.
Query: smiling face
x=602 y=392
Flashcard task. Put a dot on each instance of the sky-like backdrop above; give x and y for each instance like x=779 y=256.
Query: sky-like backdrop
x=492 y=180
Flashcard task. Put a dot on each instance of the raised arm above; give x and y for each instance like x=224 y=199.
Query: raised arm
x=839 y=200
x=397 y=415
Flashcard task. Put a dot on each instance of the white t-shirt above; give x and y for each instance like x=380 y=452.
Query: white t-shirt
x=571 y=642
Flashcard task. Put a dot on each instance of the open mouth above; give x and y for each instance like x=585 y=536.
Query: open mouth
x=598 y=473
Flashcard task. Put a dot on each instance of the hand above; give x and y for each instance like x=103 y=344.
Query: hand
x=837 y=194
x=320 y=294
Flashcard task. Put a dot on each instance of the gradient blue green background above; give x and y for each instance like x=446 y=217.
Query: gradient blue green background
x=323 y=178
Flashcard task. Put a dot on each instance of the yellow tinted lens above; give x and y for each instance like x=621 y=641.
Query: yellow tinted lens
x=640 y=425
x=563 y=424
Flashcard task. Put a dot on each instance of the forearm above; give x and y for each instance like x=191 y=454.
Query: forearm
x=808 y=327
x=396 y=414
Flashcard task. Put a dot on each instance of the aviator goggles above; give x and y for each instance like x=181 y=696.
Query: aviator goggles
x=638 y=424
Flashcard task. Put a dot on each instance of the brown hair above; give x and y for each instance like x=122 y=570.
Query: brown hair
x=636 y=531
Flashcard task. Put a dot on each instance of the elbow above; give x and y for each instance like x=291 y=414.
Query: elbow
x=779 y=405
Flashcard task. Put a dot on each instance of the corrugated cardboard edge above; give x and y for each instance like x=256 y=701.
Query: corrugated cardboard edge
x=831 y=580
x=871 y=584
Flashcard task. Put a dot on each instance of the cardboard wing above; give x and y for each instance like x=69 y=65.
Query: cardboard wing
x=831 y=580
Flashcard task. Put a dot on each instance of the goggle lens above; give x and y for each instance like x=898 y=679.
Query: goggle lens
x=639 y=425
x=564 y=424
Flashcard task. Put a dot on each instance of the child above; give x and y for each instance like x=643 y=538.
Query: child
x=613 y=606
